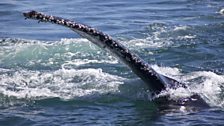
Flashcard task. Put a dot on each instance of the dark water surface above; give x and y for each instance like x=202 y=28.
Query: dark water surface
x=51 y=76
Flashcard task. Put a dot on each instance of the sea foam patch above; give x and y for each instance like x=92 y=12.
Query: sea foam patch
x=61 y=83
x=205 y=83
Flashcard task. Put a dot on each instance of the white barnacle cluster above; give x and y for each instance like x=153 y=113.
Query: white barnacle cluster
x=88 y=29
x=62 y=21
x=115 y=45
x=44 y=19
x=143 y=66
x=51 y=18
x=68 y=24
x=153 y=73
x=58 y=21
x=137 y=60
x=92 y=30
x=77 y=26
x=147 y=68
x=81 y=26
x=95 y=33
x=109 y=37
x=118 y=48
x=40 y=17
x=106 y=36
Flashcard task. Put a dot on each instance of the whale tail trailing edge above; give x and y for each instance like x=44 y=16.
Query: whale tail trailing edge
x=156 y=82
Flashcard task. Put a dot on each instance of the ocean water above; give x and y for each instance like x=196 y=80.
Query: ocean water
x=49 y=76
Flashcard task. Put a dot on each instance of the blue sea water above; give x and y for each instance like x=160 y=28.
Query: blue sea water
x=51 y=76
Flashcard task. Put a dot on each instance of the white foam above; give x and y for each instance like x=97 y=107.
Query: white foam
x=206 y=84
x=209 y=86
x=80 y=62
x=65 y=51
x=177 y=93
x=29 y=93
x=62 y=83
x=168 y=71
x=148 y=42
x=70 y=83
x=68 y=41
x=176 y=74
x=186 y=37
x=178 y=28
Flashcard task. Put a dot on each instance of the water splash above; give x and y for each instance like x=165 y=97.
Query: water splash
x=39 y=69
x=65 y=84
x=207 y=84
